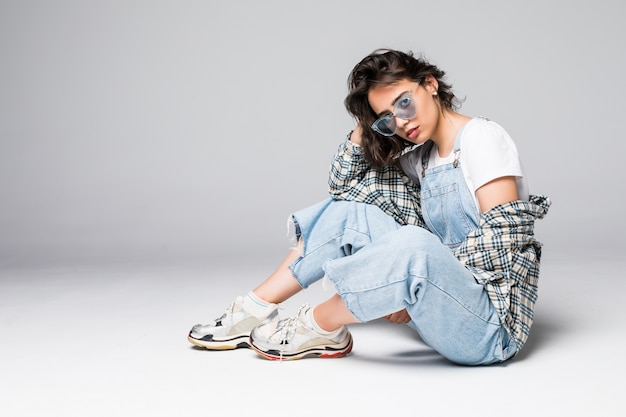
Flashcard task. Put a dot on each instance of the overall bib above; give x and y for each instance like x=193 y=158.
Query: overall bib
x=448 y=205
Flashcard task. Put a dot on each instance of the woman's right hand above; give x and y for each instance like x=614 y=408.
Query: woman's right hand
x=355 y=137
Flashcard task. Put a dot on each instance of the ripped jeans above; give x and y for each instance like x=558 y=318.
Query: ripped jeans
x=380 y=267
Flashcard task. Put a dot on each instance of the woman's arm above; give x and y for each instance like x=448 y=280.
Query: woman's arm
x=498 y=191
x=352 y=178
x=348 y=169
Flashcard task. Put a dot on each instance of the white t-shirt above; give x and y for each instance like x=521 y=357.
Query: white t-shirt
x=487 y=153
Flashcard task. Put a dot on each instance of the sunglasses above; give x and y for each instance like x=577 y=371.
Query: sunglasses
x=404 y=108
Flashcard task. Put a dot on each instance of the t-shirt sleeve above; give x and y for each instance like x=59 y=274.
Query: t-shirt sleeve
x=489 y=153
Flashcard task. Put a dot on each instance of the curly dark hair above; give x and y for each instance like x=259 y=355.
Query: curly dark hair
x=386 y=67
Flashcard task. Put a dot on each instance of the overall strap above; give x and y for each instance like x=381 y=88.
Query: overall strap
x=427 y=147
x=457 y=147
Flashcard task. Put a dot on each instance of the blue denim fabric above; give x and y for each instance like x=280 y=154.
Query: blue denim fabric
x=448 y=206
x=380 y=267
x=333 y=229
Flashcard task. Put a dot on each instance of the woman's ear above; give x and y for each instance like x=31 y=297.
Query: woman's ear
x=431 y=85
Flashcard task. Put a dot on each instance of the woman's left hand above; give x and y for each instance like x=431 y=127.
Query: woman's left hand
x=401 y=317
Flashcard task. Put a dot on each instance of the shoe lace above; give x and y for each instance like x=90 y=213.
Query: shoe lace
x=286 y=329
x=229 y=311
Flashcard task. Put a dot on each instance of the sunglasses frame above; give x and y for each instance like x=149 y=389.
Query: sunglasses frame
x=397 y=112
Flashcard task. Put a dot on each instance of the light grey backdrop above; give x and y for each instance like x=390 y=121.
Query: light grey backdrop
x=181 y=129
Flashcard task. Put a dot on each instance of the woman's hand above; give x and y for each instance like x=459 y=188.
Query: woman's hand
x=401 y=317
x=355 y=137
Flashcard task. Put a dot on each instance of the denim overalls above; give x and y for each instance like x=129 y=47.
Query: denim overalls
x=380 y=267
x=448 y=206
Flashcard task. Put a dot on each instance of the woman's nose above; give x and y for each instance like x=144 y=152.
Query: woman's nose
x=400 y=121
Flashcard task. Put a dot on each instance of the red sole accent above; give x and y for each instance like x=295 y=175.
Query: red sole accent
x=321 y=355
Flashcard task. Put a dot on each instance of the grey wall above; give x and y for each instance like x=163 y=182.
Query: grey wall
x=174 y=129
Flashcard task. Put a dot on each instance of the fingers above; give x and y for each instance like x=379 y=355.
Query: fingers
x=400 y=317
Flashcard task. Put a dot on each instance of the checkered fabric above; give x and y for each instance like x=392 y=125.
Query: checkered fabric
x=504 y=257
x=502 y=253
x=352 y=178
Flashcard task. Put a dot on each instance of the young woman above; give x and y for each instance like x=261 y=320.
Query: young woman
x=430 y=223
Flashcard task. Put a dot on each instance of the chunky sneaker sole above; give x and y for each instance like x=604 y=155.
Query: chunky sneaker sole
x=232 y=329
x=321 y=351
x=209 y=342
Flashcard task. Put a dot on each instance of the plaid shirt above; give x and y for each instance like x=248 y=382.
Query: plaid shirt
x=352 y=178
x=501 y=253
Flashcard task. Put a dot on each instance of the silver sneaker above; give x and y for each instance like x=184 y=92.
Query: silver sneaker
x=294 y=338
x=231 y=330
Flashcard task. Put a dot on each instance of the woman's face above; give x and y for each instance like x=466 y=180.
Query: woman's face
x=419 y=128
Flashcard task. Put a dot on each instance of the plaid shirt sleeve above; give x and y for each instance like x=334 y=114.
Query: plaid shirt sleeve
x=352 y=178
x=504 y=257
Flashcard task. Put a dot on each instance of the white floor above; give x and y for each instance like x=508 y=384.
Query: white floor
x=110 y=340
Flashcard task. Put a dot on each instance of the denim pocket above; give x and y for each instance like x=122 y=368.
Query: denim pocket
x=444 y=214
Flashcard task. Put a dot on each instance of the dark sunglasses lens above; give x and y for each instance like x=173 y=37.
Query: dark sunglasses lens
x=385 y=126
